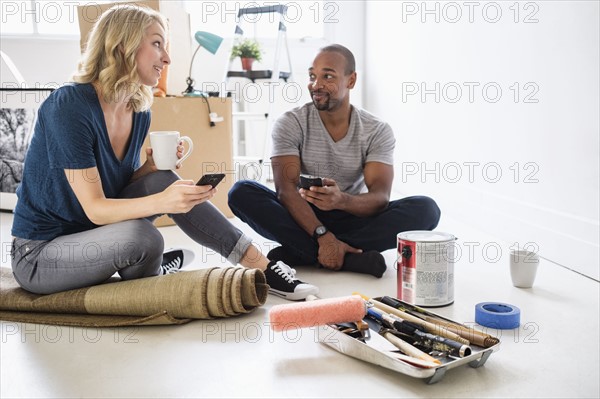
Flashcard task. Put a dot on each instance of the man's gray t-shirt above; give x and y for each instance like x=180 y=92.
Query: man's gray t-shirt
x=301 y=132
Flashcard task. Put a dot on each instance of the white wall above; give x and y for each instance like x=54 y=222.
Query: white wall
x=42 y=62
x=454 y=147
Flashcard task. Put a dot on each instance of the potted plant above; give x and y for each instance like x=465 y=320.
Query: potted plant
x=248 y=50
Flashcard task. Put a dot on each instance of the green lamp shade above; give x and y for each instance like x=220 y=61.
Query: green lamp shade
x=209 y=41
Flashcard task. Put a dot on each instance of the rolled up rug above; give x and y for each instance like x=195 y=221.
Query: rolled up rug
x=172 y=299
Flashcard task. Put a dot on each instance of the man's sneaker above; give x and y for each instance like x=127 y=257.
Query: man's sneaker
x=283 y=282
x=174 y=259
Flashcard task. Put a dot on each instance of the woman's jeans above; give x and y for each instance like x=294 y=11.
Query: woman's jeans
x=132 y=248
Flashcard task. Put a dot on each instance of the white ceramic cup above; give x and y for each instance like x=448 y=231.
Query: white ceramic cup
x=164 y=149
x=523 y=267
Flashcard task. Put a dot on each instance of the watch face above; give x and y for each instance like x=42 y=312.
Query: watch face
x=321 y=230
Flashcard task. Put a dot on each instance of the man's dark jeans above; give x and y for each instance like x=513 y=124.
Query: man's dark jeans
x=259 y=207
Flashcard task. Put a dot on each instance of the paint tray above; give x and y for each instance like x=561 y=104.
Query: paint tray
x=378 y=350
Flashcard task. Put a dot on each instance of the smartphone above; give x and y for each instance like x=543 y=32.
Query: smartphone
x=306 y=181
x=211 y=179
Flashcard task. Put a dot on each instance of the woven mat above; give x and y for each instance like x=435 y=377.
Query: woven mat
x=173 y=299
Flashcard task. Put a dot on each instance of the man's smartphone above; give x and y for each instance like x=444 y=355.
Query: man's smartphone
x=211 y=179
x=306 y=181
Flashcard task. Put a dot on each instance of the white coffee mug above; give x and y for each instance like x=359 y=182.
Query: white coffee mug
x=164 y=149
x=523 y=267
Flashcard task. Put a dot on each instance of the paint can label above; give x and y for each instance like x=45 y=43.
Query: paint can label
x=426 y=268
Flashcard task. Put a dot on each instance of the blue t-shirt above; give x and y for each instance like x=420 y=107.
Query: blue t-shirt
x=70 y=133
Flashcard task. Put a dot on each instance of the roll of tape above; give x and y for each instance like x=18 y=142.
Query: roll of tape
x=497 y=315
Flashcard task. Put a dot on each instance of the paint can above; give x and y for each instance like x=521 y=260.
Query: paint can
x=426 y=268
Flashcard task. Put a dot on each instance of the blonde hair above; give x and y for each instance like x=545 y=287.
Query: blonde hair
x=109 y=57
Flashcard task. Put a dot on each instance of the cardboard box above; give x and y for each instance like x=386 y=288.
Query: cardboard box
x=212 y=152
x=180 y=38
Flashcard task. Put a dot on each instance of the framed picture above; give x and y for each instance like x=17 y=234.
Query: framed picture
x=18 y=113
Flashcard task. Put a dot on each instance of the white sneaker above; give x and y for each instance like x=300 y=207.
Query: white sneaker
x=283 y=282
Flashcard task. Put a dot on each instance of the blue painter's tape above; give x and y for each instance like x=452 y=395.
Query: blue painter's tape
x=497 y=315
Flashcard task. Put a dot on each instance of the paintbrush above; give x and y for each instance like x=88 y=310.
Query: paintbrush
x=429 y=327
x=427 y=340
x=404 y=346
x=476 y=337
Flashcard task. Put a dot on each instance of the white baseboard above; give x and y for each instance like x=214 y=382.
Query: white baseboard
x=562 y=238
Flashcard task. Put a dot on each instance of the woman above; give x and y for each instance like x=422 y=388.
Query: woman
x=85 y=204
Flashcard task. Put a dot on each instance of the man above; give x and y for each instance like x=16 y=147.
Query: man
x=346 y=223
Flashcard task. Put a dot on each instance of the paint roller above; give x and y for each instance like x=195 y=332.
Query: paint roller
x=317 y=313
x=348 y=309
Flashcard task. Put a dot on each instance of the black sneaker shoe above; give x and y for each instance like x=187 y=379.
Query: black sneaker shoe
x=174 y=259
x=283 y=282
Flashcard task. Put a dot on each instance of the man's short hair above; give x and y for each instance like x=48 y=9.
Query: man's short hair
x=347 y=54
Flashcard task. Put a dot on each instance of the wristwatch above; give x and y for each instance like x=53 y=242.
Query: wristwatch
x=320 y=231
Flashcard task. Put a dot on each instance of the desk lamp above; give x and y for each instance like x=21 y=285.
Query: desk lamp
x=211 y=43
